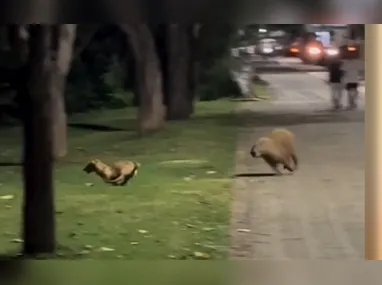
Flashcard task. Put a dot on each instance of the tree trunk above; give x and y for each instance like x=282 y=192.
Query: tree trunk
x=193 y=64
x=38 y=202
x=151 y=110
x=62 y=63
x=179 y=105
x=62 y=59
x=160 y=33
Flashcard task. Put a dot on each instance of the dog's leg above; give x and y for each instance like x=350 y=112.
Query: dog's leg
x=288 y=165
x=119 y=181
x=276 y=169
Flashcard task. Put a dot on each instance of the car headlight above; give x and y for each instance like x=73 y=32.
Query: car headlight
x=332 y=52
x=314 y=50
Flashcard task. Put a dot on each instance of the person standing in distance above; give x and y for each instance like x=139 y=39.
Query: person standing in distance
x=351 y=66
x=335 y=81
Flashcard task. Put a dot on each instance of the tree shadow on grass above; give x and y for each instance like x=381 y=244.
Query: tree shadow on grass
x=10 y=163
x=12 y=269
x=226 y=119
x=95 y=127
x=249 y=118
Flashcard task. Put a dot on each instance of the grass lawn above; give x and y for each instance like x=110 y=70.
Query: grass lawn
x=178 y=207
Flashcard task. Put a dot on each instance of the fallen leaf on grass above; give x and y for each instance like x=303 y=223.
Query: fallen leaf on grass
x=208 y=229
x=134 y=243
x=244 y=230
x=187 y=178
x=104 y=248
x=6 y=197
x=171 y=256
x=88 y=246
x=89 y=184
x=17 y=240
x=211 y=172
x=142 y=231
x=201 y=255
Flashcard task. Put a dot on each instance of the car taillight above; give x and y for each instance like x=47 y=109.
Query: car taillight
x=352 y=48
x=294 y=49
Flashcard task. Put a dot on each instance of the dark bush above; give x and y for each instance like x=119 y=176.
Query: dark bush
x=99 y=79
x=217 y=82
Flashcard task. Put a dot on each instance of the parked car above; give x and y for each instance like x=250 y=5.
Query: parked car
x=350 y=51
x=316 y=53
x=268 y=47
x=293 y=49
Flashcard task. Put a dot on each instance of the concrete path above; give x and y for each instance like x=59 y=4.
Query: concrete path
x=318 y=212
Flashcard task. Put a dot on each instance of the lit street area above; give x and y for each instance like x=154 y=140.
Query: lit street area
x=318 y=212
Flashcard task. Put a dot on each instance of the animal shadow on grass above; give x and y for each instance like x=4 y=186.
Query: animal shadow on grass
x=264 y=174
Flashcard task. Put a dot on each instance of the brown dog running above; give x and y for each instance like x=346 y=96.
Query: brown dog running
x=277 y=148
x=117 y=174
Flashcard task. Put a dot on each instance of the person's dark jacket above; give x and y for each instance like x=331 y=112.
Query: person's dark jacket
x=335 y=72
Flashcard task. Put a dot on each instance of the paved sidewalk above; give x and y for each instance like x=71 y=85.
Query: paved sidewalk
x=316 y=213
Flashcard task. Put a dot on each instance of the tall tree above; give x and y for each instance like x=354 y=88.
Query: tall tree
x=66 y=35
x=151 y=111
x=193 y=63
x=177 y=47
x=38 y=203
x=179 y=105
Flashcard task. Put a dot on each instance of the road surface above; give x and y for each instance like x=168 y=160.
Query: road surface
x=283 y=64
x=318 y=212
